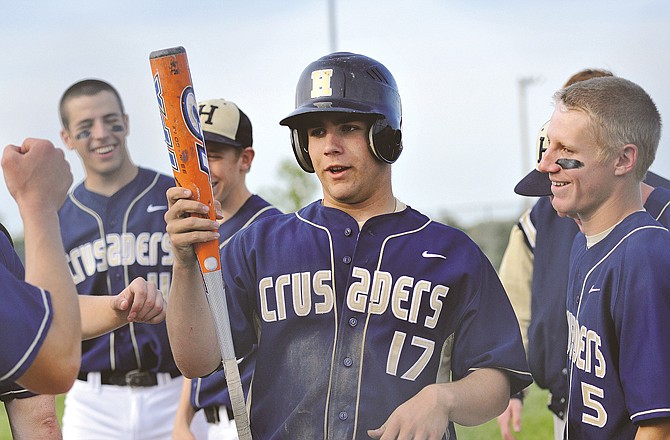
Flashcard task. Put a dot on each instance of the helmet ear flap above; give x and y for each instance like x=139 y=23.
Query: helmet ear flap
x=385 y=142
x=299 y=143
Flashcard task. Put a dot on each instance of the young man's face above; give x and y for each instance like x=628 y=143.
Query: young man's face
x=349 y=174
x=97 y=131
x=227 y=167
x=581 y=183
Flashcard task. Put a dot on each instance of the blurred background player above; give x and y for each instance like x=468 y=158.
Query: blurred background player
x=229 y=143
x=113 y=231
x=370 y=318
x=534 y=271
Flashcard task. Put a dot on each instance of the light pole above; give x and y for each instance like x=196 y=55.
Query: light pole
x=332 y=22
x=523 y=83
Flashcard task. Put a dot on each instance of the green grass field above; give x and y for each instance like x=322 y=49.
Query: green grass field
x=536 y=422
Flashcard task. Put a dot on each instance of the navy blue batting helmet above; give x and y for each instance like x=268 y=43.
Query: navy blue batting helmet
x=345 y=82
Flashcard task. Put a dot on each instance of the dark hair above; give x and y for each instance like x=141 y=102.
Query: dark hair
x=85 y=87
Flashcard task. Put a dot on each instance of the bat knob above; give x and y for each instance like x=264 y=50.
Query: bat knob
x=211 y=263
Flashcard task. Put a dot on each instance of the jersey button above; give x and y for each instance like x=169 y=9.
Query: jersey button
x=343 y=415
x=348 y=362
x=347 y=232
x=353 y=322
x=346 y=259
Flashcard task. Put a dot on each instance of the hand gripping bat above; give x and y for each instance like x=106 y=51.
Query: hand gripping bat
x=188 y=157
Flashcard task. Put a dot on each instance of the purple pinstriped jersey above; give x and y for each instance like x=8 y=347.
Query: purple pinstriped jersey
x=109 y=242
x=25 y=318
x=212 y=390
x=618 y=307
x=350 y=324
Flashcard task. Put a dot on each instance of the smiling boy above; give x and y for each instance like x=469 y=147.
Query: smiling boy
x=603 y=137
x=113 y=232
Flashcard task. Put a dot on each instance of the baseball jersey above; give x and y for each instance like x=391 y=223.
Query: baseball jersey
x=617 y=308
x=658 y=205
x=352 y=323
x=110 y=241
x=212 y=390
x=25 y=318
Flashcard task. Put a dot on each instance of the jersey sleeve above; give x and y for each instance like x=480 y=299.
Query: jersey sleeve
x=489 y=336
x=25 y=318
x=643 y=329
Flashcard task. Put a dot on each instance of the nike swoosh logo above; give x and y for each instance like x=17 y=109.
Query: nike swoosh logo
x=593 y=289
x=426 y=254
x=154 y=208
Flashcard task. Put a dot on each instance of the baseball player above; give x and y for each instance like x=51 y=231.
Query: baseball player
x=34 y=415
x=370 y=319
x=603 y=137
x=229 y=143
x=535 y=265
x=113 y=232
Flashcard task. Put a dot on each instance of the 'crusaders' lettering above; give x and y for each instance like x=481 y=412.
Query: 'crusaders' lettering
x=145 y=249
x=585 y=350
x=415 y=301
x=299 y=288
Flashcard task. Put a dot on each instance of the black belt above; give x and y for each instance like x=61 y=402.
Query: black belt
x=134 y=378
x=212 y=413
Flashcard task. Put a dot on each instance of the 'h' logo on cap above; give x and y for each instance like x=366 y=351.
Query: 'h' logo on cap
x=209 y=114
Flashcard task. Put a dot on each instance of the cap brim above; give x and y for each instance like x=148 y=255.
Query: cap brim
x=535 y=184
x=213 y=137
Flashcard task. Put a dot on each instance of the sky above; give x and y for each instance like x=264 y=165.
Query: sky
x=458 y=65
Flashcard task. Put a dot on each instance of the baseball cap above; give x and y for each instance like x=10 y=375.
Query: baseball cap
x=536 y=183
x=223 y=122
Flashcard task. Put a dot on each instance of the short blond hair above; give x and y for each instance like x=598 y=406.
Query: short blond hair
x=620 y=113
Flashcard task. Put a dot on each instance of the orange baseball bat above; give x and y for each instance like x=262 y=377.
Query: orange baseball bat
x=184 y=138
x=186 y=148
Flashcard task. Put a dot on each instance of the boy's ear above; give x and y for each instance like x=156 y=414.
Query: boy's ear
x=65 y=137
x=247 y=157
x=626 y=160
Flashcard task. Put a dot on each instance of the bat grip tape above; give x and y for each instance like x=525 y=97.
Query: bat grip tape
x=216 y=297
